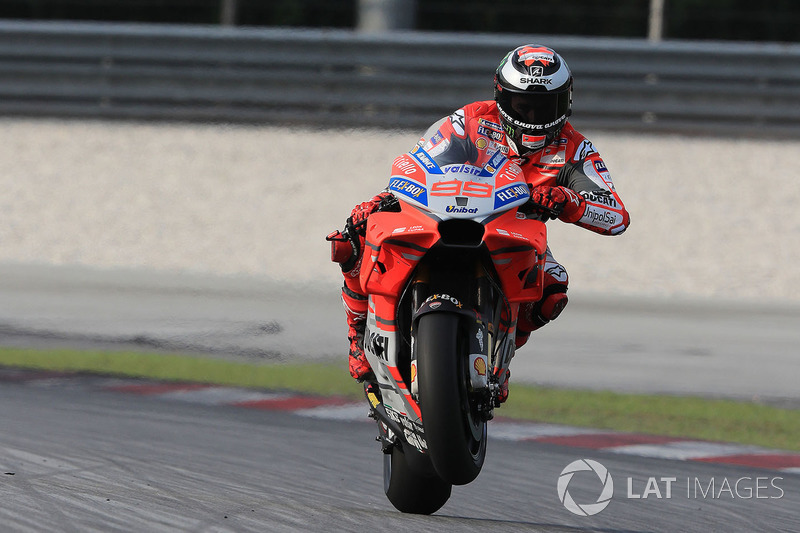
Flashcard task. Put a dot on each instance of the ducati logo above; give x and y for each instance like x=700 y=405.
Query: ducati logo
x=528 y=55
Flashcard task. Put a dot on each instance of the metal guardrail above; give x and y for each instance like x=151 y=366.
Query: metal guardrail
x=395 y=80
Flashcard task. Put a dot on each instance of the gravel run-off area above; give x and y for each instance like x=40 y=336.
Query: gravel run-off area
x=711 y=218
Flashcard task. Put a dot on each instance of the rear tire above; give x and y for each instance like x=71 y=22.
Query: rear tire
x=454 y=432
x=409 y=491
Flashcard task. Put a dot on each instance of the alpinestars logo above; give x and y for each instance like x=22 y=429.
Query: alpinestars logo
x=586 y=509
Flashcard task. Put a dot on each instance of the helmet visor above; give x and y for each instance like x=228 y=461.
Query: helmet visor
x=534 y=110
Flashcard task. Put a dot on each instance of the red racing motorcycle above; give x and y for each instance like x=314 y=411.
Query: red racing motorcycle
x=447 y=261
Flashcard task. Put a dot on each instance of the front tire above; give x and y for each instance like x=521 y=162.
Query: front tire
x=454 y=431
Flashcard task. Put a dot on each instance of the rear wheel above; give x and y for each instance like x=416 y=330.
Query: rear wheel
x=454 y=430
x=408 y=490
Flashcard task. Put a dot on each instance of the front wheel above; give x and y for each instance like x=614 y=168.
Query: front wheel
x=454 y=430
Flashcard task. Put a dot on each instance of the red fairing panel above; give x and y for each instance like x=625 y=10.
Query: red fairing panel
x=397 y=241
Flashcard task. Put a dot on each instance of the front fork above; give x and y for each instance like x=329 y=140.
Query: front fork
x=490 y=337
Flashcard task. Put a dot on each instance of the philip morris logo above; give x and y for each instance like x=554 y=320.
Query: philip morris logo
x=585 y=509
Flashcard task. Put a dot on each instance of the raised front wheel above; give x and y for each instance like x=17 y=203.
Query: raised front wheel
x=454 y=432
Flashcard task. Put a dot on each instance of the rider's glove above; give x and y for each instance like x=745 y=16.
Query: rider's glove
x=557 y=202
x=359 y=214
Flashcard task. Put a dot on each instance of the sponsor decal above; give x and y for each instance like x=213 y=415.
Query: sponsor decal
x=379 y=345
x=405 y=165
x=584 y=150
x=511 y=172
x=457 y=120
x=480 y=364
x=479 y=337
x=423 y=158
x=592 y=174
x=558 y=272
x=600 y=197
x=490 y=124
x=533 y=142
x=511 y=194
x=600 y=166
x=457 y=209
x=412 y=431
x=462 y=169
x=481 y=143
x=496 y=161
x=511 y=234
x=435 y=151
x=492 y=134
x=529 y=55
x=503 y=149
x=447 y=297
x=554 y=154
x=535 y=81
x=407 y=230
x=600 y=217
x=409 y=189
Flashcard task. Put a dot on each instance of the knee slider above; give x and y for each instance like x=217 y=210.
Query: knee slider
x=536 y=314
x=552 y=305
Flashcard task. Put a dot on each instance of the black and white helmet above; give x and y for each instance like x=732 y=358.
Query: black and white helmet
x=533 y=91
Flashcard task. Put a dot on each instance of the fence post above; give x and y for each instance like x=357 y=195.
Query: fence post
x=655 y=27
x=227 y=12
x=375 y=16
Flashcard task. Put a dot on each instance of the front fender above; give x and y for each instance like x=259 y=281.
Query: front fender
x=442 y=303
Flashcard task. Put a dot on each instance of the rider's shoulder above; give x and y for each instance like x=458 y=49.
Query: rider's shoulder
x=484 y=109
x=577 y=145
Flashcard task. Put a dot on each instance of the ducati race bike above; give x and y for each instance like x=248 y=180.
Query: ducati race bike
x=447 y=260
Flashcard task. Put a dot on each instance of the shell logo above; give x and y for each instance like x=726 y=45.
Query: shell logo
x=413 y=372
x=480 y=366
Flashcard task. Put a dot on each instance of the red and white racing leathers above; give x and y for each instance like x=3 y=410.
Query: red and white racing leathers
x=472 y=135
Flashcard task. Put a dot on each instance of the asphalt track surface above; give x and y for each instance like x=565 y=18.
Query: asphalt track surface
x=75 y=459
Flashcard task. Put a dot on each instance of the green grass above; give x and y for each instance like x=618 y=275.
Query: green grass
x=327 y=379
x=724 y=420
x=678 y=416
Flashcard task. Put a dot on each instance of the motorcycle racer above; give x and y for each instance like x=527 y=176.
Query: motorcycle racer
x=528 y=122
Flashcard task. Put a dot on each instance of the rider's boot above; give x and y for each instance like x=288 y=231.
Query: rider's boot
x=502 y=395
x=355 y=308
x=359 y=366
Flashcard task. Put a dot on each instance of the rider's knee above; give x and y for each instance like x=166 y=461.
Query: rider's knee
x=534 y=315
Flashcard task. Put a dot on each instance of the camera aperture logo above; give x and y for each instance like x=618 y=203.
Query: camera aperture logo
x=586 y=509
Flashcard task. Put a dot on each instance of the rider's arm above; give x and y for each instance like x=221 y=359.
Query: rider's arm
x=604 y=212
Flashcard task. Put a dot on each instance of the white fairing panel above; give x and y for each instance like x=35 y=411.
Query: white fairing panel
x=460 y=190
